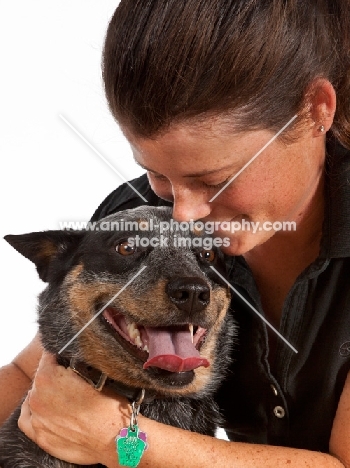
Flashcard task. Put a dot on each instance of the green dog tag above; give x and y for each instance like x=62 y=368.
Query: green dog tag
x=130 y=445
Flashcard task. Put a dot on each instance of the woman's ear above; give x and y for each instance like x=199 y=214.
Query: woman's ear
x=322 y=103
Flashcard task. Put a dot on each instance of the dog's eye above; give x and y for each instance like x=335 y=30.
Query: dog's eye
x=124 y=248
x=208 y=255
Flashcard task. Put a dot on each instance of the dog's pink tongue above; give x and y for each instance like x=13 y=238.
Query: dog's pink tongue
x=172 y=350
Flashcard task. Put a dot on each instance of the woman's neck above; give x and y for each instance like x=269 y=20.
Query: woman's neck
x=278 y=262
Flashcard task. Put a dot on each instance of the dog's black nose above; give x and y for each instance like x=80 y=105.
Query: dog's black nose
x=190 y=294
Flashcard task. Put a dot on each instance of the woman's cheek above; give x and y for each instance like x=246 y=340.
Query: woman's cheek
x=241 y=202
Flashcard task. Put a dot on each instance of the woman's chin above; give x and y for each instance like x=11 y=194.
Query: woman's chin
x=240 y=245
x=234 y=250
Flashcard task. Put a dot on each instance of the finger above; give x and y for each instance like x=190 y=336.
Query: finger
x=25 y=420
x=48 y=367
x=45 y=363
x=47 y=359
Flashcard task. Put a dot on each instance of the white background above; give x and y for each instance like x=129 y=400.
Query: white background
x=50 y=65
x=50 y=57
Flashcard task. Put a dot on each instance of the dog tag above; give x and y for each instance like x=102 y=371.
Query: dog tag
x=130 y=445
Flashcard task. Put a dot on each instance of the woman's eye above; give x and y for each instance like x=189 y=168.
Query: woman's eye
x=217 y=186
x=125 y=248
x=207 y=255
x=158 y=177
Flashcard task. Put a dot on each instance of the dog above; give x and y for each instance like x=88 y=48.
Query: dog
x=167 y=329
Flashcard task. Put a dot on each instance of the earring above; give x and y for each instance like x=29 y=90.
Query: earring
x=321 y=128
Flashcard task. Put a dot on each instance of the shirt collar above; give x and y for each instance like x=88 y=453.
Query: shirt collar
x=336 y=228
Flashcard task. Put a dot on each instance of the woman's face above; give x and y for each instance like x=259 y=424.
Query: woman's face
x=189 y=166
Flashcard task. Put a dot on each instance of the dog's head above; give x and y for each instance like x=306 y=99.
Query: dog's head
x=157 y=311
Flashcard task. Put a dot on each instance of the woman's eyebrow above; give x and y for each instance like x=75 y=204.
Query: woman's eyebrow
x=194 y=174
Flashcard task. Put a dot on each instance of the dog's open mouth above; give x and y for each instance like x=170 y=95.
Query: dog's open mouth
x=172 y=348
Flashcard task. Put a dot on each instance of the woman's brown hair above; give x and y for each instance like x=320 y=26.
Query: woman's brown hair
x=249 y=62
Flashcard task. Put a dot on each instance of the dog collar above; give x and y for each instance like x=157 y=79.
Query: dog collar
x=100 y=380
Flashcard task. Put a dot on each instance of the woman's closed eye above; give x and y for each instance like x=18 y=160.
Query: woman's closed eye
x=217 y=186
x=159 y=177
x=162 y=179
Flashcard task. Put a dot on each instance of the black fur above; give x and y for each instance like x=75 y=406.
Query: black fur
x=56 y=254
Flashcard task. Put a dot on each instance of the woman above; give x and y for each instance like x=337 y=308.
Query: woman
x=199 y=87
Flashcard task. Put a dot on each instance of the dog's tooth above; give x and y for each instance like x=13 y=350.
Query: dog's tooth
x=145 y=348
x=191 y=331
x=134 y=334
x=133 y=331
x=128 y=327
x=137 y=334
x=138 y=341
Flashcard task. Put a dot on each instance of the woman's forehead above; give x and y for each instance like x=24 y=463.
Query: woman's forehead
x=196 y=150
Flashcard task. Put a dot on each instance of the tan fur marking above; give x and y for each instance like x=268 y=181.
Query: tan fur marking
x=47 y=249
x=102 y=351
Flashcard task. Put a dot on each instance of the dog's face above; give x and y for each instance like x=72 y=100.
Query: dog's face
x=165 y=325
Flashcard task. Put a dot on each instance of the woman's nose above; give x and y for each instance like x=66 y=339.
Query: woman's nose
x=190 y=204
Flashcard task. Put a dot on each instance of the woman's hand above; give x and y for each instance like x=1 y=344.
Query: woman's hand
x=69 y=419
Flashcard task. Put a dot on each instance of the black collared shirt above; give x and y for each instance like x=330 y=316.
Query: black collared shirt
x=294 y=403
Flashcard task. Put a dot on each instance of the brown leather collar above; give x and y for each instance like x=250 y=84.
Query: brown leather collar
x=99 y=380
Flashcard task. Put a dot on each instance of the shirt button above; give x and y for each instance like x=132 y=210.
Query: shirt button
x=274 y=389
x=279 y=412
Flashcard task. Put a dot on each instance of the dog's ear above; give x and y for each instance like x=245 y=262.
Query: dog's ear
x=42 y=248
